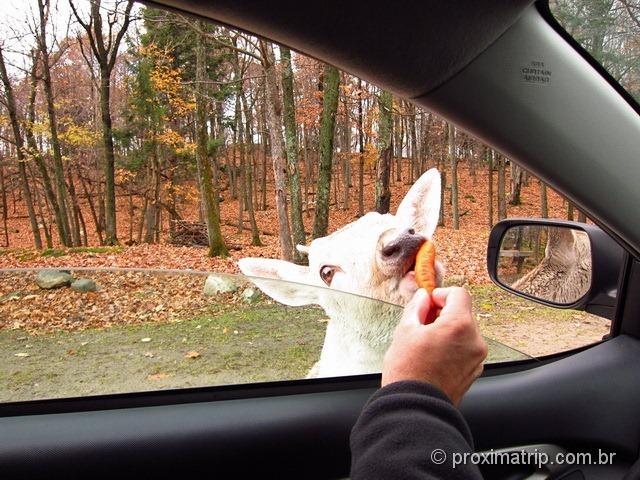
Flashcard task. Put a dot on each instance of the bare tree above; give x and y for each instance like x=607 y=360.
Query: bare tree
x=291 y=142
x=104 y=46
x=274 y=119
x=385 y=151
x=327 y=133
x=453 y=159
x=44 y=8
x=10 y=104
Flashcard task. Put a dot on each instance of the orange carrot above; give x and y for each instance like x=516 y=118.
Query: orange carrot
x=426 y=266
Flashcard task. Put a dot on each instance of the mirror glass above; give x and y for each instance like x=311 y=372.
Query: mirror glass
x=549 y=263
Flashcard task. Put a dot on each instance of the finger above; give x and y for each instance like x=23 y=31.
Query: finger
x=452 y=300
x=416 y=310
x=478 y=371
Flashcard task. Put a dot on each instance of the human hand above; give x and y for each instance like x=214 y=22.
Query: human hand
x=437 y=341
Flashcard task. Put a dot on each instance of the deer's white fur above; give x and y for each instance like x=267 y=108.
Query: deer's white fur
x=564 y=274
x=359 y=331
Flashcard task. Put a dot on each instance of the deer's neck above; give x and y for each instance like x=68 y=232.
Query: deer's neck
x=355 y=343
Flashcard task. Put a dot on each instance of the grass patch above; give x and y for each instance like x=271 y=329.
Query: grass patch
x=61 y=252
x=53 y=252
x=249 y=344
x=27 y=255
x=507 y=307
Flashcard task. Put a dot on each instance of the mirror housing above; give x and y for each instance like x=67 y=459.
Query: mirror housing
x=607 y=265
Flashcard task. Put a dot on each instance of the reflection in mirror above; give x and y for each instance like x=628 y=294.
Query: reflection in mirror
x=546 y=262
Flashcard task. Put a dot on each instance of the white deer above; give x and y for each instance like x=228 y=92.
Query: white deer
x=373 y=257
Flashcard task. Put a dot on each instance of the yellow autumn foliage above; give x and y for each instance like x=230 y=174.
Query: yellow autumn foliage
x=78 y=135
x=167 y=81
x=370 y=155
x=173 y=139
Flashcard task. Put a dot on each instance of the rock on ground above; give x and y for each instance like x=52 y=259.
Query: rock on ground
x=251 y=295
x=216 y=284
x=49 y=279
x=84 y=285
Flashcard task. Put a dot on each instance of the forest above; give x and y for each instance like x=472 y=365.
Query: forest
x=123 y=127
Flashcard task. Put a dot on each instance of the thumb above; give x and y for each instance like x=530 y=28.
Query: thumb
x=415 y=313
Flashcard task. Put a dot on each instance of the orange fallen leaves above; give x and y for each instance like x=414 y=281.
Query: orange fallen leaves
x=461 y=251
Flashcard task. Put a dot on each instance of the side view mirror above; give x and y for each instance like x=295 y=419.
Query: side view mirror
x=557 y=263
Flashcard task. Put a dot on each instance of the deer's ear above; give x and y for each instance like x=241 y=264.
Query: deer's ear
x=285 y=282
x=420 y=208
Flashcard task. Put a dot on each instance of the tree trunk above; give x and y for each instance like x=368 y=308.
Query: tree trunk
x=399 y=146
x=5 y=207
x=544 y=208
x=327 y=133
x=280 y=167
x=516 y=184
x=569 y=210
x=217 y=248
x=151 y=217
x=361 y=150
x=291 y=141
x=131 y=216
x=43 y=222
x=502 y=204
x=443 y=188
x=582 y=217
x=34 y=152
x=346 y=156
x=255 y=233
x=385 y=149
x=239 y=143
x=414 y=144
x=74 y=208
x=104 y=46
x=472 y=168
x=19 y=143
x=453 y=159
x=92 y=208
x=111 y=237
x=488 y=155
x=58 y=168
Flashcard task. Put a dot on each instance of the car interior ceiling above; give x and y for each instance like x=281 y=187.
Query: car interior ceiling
x=289 y=430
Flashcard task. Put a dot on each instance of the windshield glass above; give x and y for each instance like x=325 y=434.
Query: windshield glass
x=135 y=330
x=609 y=30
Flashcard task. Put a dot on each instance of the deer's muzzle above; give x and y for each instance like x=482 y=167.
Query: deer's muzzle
x=399 y=255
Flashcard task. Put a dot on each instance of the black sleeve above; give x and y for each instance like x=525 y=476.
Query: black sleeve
x=401 y=426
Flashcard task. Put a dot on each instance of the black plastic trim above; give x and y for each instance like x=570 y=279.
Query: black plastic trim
x=631 y=309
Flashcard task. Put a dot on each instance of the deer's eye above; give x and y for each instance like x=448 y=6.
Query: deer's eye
x=327 y=272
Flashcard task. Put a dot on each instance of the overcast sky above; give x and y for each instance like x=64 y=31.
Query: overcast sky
x=15 y=16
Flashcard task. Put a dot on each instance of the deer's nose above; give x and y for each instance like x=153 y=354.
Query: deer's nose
x=404 y=245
